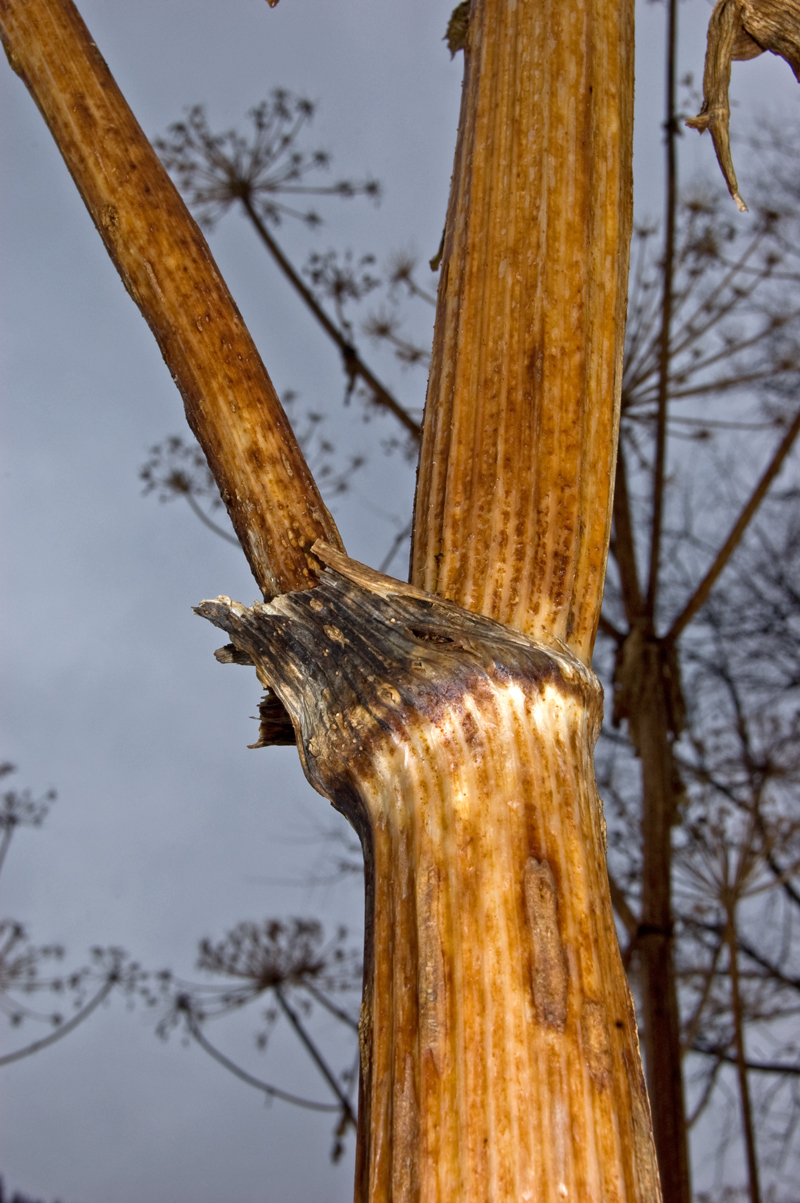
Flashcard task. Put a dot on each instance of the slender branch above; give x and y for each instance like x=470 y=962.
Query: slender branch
x=334 y=1010
x=353 y=363
x=671 y=131
x=607 y=627
x=315 y=1054
x=204 y=518
x=786 y=885
x=621 y=906
x=167 y=267
x=747 y=949
x=710 y=305
x=741 y=1060
x=625 y=543
x=8 y=832
x=63 y=1029
x=721 y=385
x=692 y=1027
x=724 y=353
x=416 y=291
x=639 y=303
x=15 y=932
x=774 y=972
x=718 y=424
x=273 y=1091
x=701 y=594
x=764 y=1067
x=702 y=1102
x=396 y=545
x=691 y=329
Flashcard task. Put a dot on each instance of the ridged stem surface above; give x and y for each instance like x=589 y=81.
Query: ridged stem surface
x=512 y=512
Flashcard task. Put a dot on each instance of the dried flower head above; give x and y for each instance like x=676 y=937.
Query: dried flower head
x=215 y=171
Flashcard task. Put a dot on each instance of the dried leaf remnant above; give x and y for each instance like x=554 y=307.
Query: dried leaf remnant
x=738 y=30
x=457 y=26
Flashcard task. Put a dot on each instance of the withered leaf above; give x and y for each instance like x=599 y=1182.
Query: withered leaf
x=742 y=29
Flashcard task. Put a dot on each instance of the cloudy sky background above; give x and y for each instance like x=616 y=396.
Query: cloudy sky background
x=167 y=828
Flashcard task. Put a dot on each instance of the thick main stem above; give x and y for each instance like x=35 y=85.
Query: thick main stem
x=516 y=471
x=499 y=1057
x=501 y=1027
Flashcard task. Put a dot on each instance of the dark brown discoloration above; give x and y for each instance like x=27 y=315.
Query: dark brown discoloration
x=549 y=968
x=275 y=726
x=328 y=654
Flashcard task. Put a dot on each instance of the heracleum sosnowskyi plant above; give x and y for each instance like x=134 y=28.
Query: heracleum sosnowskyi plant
x=711 y=349
x=451 y=719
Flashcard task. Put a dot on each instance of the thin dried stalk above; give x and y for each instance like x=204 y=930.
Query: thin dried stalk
x=701 y=593
x=167 y=268
x=741 y=1057
x=513 y=499
x=353 y=363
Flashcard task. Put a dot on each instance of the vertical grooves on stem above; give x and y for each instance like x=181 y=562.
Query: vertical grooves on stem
x=499 y=1053
x=513 y=1102
x=512 y=509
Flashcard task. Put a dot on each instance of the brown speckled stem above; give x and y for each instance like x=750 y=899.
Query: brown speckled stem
x=516 y=471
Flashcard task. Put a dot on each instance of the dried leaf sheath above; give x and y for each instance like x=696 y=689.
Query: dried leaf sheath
x=512 y=510
x=499 y=1051
x=741 y=29
x=167 y=268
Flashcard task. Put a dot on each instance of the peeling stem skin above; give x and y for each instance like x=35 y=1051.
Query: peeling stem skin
x=499 y=1053
x=512 y=513
x=168 y=270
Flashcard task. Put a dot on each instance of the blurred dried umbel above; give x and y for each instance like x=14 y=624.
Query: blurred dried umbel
x=25 y=973
x=296 y=969
x=215 y=171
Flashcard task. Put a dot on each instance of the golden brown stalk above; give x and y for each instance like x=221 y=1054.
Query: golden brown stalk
x=167 y=268
x=513 y=500
x=499 y=1054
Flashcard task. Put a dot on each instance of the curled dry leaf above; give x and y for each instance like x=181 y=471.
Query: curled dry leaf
x=742 y=29
x=457 y=26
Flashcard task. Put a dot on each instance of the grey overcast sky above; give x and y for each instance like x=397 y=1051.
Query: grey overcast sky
x=167 y=828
